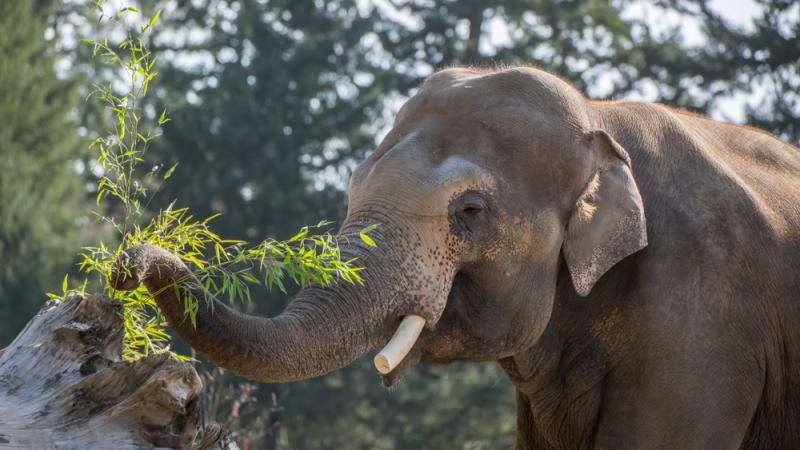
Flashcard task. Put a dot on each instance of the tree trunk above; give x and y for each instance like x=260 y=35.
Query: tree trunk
x=63 y=385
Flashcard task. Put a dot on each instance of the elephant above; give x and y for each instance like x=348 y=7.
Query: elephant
x=634 y=269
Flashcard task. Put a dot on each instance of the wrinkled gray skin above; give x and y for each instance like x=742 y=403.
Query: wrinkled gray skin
x=514 y=216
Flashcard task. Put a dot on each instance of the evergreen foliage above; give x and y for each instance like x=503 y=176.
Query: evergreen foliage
x=762 y=60
x=40 y=188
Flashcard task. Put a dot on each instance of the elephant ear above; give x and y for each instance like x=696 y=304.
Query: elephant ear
x=607 y=223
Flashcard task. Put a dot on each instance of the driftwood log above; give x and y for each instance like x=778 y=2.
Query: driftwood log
x=63 y=385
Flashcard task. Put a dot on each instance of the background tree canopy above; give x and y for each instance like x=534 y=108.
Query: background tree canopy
x=273 y=102
x=40 y=191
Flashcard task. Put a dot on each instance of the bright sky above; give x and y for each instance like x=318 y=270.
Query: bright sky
x=739 y=12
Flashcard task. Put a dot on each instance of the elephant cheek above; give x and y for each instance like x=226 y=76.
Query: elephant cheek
x=428 y=264
x=430 y=279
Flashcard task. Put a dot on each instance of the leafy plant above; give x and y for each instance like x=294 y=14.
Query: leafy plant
x=222 y=267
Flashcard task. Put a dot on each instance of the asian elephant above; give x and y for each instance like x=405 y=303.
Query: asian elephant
x=634 y=269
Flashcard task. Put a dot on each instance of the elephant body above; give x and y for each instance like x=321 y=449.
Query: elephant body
x=694 y=341
x=633 y=268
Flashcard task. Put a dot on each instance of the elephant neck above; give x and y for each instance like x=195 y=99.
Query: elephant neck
x=558 y=394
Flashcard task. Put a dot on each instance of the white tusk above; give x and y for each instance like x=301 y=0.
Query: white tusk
x=400 y=344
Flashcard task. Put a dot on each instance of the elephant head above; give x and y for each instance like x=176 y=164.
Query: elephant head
x=486 y=186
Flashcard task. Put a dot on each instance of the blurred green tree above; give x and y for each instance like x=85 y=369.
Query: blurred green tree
x=265 y=103
x=40 y=188
x=757 y=65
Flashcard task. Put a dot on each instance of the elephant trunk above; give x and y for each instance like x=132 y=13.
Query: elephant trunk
x=322 y=329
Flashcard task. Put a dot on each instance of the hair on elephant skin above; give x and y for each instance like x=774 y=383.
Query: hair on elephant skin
x=634 y=269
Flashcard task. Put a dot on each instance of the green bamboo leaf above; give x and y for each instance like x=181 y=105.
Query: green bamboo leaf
x=367 y=240
x=280 y=285
x=162 y=119
x=152 y=22
x=303 y=233
x=169 y=171
x=251 y=278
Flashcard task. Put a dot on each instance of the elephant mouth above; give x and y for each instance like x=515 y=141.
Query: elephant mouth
x=401 y=351
x=400 y=344
x=413 y=359
x=417 y=352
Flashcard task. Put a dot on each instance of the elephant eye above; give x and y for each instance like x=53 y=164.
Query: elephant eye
x=469 y=205
x=472 y=210
x=466 y=211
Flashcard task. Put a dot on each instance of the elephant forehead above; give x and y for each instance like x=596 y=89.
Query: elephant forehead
x=413 y=177
x=510 y=101
x=483 y=131
x=463 y=98
x=456 y=173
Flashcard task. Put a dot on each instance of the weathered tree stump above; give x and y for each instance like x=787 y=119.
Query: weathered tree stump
x=63 y=385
